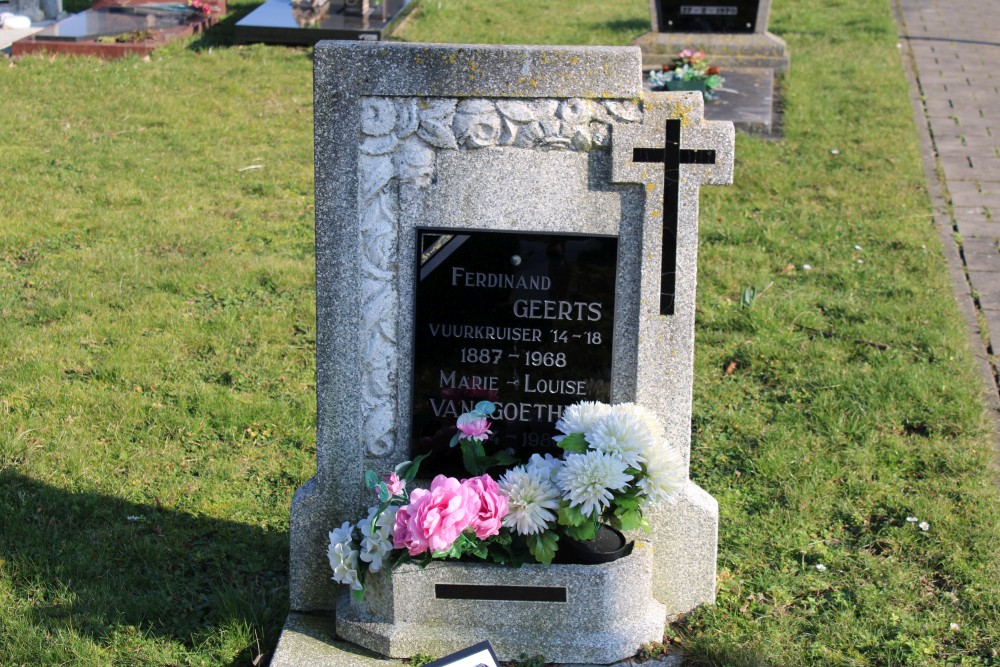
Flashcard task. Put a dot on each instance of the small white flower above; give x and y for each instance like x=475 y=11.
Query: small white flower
x=580 y=417
x=377 y=543
x=821 y=567
x=857 y=247
x=807 y=267
x=861 y=261
x=547 y=466
x=912 y=519
x=924 y=525
x=954 y=627
x=834 y=151
x=343 y=556
x=133 y=517
x=532 y=498
x=588 y=479
x=623 y=434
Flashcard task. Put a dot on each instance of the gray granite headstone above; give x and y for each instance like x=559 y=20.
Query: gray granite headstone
x=496 y=139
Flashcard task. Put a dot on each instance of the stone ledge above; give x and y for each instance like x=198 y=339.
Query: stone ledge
x=724 y=50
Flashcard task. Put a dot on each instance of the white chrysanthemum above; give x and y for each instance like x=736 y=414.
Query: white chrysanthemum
x=588 y=480
x=580 y=417
x=623 y=434
x=664 y=476
x=532 y=500
x=547 y=466
x=377 y=543
x=645 y=414
x=343 y=556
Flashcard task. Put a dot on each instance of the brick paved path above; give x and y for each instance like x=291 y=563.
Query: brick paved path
x=955 y=50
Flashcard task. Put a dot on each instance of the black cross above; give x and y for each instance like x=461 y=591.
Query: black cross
x=672 y=156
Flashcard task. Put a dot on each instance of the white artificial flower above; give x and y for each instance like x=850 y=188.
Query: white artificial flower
x=623 y=434
x=645 y=414
x=547 y=466
x=532 y=499
x=588 y=479
x=377 y=543
x=664 y=476
x=580 y=417
x=343 y=556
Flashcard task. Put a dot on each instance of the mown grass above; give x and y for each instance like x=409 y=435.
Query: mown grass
x=157 y=345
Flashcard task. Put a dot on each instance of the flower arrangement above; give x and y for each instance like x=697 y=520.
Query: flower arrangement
x=201 y=7
x=688 y=70
x=616 y=463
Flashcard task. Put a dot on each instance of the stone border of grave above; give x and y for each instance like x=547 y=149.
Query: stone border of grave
x=112 y=50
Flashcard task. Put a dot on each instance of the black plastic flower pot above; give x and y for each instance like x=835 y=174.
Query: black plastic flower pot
x=608 y=545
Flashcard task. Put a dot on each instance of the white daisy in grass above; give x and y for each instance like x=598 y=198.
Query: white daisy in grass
x=664 y=475
x=588 y=479
x=624 y=434
x=533 y=499
x=581 y=417
x=376 y=543
x=343 y=556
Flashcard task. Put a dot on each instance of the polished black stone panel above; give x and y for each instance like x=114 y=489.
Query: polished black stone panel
x=523 y=320
x=109 y=21
x=725 y=16
x=281 y=22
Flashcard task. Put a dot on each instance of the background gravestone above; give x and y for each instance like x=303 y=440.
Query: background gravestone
x=414 y=141
x=731 y=33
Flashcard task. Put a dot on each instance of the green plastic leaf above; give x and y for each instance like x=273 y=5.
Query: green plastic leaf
x=411 y=471
x=371 y=479
x=383 y=492
x=627 y=503
x=630 y=520
x=358 y=595
x=573 y=443
x=571 y=516
x=543 y=547
x=501 y=458
x=455 y=439
x=587 y=531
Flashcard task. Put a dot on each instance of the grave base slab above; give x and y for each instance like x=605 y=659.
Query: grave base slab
x=597 y=614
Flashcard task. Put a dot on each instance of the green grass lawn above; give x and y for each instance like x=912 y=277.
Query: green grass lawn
x=157 y=345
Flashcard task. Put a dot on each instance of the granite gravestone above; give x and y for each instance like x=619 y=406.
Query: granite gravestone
x=732 y=33
x=508 y=222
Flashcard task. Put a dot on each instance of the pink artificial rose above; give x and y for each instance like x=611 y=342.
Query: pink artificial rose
x=473 y=426
x=492 y=506
x=395 y=484
x=435 y=518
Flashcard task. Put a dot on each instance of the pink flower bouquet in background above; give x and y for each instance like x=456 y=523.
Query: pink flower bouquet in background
x=615 y=462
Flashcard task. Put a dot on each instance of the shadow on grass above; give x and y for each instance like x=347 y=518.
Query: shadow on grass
x=94 y=564
x=221 y=34
x=636 y=26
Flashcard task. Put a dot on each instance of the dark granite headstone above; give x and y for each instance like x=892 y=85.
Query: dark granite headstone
x=523 y=320
x=304 y=23
x=733 y=16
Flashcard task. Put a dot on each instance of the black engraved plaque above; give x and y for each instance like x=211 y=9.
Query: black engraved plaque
x=523 y=320
x=725 y=16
